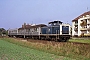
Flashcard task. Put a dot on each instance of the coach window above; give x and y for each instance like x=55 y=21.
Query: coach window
x=28 y=29
x=49 y=30
x=37 y=29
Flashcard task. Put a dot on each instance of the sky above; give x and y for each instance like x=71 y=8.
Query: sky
x=13 y=13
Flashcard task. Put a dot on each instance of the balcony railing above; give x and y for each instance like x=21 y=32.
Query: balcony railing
x=88 y=28
x=76 y=24
x=83 y=23
x=88 y=23
x=88 y=34
x=75 y=29
x=76 y=34
x=83 y=28
x=89 y=19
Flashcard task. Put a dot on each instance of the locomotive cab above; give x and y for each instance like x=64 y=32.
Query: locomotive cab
x=58 y=31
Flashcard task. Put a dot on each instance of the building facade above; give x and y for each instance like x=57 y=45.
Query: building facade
x=81 y=25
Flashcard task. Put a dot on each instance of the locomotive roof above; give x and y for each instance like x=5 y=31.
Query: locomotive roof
x=39 y=25
x=35 y=26
x=55 y=22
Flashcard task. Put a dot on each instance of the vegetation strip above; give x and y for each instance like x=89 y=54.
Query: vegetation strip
x=74 y=51
x=87 y=41
x=9 y=51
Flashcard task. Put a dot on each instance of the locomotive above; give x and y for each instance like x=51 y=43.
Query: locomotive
x=55 y=30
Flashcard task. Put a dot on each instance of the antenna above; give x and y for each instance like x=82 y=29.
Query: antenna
x=87 y=8
x=32 y=22
x=67 y=22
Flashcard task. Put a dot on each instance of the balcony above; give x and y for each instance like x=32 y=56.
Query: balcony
x=76 y=29
x=88 y=28
x=88 y=23
x=83 y=28
x=83 y=23
x=76 y=34
x=88 y=34
x=88 y=18
x=76 y=24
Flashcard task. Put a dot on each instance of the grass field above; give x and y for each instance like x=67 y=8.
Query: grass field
x=10 y=51
x=80 y=40
x=60 y=50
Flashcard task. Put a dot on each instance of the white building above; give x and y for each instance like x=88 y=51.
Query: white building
x=81 y=25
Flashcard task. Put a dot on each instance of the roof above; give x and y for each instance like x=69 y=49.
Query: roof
x=20 y=28
x=35 y=26
x=26 y=26
x=39 y=25
x=55 y=22
x=84 y=14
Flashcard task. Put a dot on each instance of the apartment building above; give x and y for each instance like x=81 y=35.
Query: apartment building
x=81 y=25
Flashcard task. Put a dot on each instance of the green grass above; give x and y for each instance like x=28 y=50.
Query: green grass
x=10 y=51
x=80 y=40
x=66 y=49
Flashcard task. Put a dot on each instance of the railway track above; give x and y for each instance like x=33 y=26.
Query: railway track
x=52 y=42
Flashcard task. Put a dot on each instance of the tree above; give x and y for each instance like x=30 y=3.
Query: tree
x=3 y=31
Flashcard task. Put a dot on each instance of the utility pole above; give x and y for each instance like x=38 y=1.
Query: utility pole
x=24 y=29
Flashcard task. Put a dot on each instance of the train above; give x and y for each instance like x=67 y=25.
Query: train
x=54 y=31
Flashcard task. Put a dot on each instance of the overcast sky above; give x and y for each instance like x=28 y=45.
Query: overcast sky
x=13 y=13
